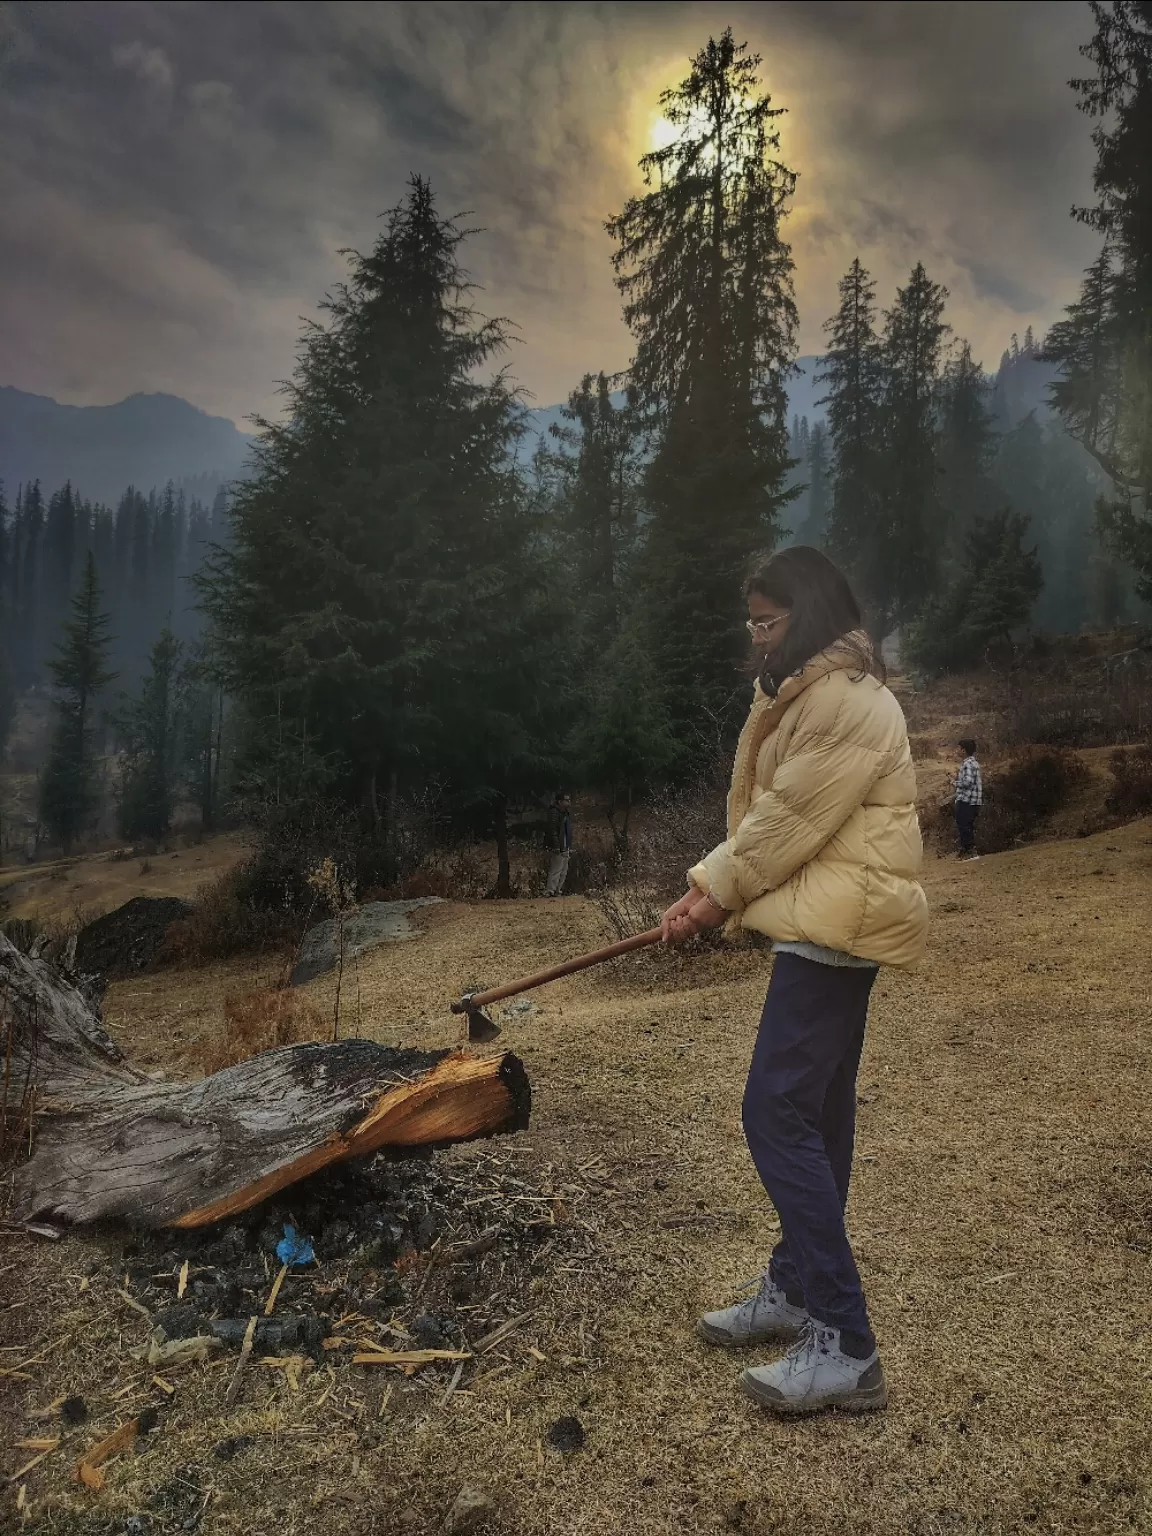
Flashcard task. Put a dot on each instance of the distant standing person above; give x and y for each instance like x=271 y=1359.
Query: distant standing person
x=560 y=842
x=969 y=790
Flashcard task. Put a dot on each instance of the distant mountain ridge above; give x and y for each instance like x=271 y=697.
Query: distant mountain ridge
x=145 y=441
x=803 y=393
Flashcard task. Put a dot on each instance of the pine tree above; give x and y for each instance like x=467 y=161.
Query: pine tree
x=598 y=504
x=1105 y=345
x=852 y=373
x=1088 y=391
x=68 y=789
x=149 y=734
x=60 y=535
x=381 y=611
x=707 y=282
x=200 y=710
x=7 y=597
x=966 y=446
x=902 y=564
x=625 y=742
x=7 y=681
x=991 y=595
x=7 y=706
x=815 y=524
x=162 y=577
x=30 y=620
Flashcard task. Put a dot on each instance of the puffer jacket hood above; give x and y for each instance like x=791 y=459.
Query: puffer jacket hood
x=823 y=839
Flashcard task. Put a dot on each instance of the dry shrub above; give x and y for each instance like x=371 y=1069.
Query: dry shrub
x=1131 y=792
x=226 y=920
x=257 y=1021
x=681 y=826
x=678 y=828
x=922 y=746
x=628 y=909
x=1037 y=782
x=1071 y=702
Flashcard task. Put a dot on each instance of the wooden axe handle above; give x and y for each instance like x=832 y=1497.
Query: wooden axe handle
x=581 y=963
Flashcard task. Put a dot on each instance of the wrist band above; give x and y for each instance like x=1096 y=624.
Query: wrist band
x=719 y=905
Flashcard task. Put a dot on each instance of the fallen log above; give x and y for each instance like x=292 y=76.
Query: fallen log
x=110 y=1142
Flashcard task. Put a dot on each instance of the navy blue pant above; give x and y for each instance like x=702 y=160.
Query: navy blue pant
x=966 y=825
x=800 y=1122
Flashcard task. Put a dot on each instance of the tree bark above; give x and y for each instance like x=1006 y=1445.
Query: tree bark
x=503 y=863
x=111 y=1142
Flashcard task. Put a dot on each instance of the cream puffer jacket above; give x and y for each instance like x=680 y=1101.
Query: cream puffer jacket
x=823 y=838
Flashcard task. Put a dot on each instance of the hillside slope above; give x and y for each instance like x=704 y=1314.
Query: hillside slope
x=143 y=441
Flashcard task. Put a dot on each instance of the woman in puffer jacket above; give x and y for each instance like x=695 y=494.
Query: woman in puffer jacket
x=822 y=855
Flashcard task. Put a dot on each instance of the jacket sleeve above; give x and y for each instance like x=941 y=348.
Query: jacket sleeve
x=829 y=769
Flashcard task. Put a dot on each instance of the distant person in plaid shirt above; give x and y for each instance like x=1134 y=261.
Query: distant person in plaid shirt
x=969 y=789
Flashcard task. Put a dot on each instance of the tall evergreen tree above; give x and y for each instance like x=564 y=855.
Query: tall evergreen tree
x=852 y=373
x=903 y=563
x=31 y=622
x=625 y=741
x=1105 y=345
x=201 y=719
x=967 y=446
x=7 y=681
x=598 y=503
x=68 y=789
x=1088 y=391
x=991 y=595
x=707 y=281
x=7 y=705
x=373 y=606
x=162 y=577
x=814 y=526
x=7 y=593
x=149 y=735
x=60 y=535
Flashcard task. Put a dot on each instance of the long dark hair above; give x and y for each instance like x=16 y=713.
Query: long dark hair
x=823 y=608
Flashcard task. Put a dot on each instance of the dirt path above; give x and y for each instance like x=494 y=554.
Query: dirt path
x=1002 y=1213
x=74 y=891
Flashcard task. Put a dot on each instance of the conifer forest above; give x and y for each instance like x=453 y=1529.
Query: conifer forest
x=412 y=595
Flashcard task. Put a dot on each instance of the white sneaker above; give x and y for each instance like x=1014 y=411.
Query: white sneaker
x=815 y=1374
x=765 y=1317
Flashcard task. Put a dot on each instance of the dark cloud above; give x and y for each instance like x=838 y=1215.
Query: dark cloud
x=177 y=179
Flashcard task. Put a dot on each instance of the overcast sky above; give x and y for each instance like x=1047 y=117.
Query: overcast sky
x=176 y=179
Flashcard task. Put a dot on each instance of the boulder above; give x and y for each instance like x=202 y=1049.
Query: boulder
x=376 y=922
x=127 y=940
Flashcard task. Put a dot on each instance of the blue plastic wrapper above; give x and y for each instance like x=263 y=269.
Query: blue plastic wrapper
x=294 y=1249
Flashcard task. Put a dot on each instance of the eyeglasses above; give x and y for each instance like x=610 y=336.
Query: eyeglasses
x=758 y=628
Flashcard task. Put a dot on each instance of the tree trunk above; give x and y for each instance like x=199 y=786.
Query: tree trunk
x=110 y=1142
x=503 y=866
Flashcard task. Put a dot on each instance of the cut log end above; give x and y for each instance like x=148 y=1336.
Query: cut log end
x=118 y=1145
x=459 y=1099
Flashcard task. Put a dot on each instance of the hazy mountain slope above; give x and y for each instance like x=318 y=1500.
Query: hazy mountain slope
x=144 y=441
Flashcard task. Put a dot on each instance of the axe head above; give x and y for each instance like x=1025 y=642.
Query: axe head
x=481 y=1029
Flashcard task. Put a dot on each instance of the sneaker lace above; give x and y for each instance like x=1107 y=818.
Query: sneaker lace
x=814 y=1338
x=755 y=1282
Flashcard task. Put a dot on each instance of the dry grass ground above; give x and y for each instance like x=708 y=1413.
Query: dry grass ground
x=1002 y=1213
x=63 y=891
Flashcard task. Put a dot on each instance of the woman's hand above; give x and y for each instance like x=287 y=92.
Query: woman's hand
x=677 y=910
x=691 y=915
